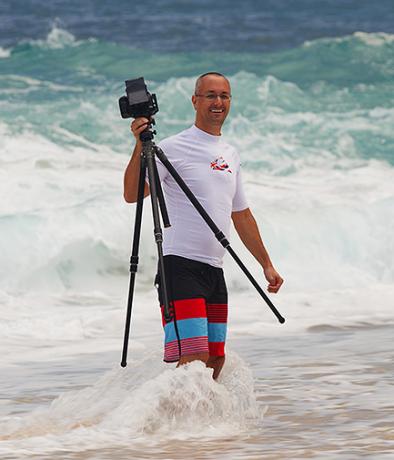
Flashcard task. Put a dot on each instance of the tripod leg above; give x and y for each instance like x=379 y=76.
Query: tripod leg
x=134 y=258
x=160 y=197
x=148 y=150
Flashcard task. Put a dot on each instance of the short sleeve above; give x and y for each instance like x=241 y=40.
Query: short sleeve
x=239 y=201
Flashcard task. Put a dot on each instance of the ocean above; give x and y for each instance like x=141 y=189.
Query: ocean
x=312 y=118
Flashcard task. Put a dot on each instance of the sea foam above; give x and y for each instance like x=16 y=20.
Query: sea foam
x=126 y=405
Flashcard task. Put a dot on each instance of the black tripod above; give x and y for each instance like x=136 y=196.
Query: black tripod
x=149 y=151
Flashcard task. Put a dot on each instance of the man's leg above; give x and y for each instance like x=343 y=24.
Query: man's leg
x=217 y=328
x=216 y=363
x=204 y=357
x=217 y=312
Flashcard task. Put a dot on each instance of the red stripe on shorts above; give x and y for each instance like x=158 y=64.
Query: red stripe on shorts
x=188 y=308
x=217 y=313
x=216 y=348
x=194 y=345
x=188 y=347
x=171 y=351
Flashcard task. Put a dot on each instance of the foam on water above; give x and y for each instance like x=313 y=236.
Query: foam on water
x=316 y=153
x=375 y=39
x=125 y=405
x=4 y=53
x=66 y=229
x=57 y=38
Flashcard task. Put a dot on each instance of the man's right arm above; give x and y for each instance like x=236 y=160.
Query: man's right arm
x=132 y=173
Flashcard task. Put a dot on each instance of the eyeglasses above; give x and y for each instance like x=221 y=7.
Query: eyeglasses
x=212 y=96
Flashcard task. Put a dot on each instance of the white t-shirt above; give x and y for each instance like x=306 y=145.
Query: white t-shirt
x=211 y=169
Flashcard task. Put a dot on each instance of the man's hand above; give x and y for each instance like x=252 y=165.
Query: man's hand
x=137 y=126
x=274 y=279
x=132 y=173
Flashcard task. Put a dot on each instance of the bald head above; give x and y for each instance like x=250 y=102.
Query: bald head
x=211 y=101
x=204 y=76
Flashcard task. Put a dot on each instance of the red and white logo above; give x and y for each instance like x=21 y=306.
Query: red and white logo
x=220 y=164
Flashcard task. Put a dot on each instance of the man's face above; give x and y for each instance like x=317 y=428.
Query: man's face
x=212 y=102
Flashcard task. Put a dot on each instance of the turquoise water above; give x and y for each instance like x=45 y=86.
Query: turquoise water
x=313 y=126
x=312 y=118
x=322 y=92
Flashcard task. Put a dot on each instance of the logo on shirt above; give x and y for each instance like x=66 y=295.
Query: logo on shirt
x=220 y=164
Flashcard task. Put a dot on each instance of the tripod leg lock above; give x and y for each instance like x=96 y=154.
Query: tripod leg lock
x=133 y=264
x=222 y=239
x=158 y=237
x=168 y=318
x=168 y=312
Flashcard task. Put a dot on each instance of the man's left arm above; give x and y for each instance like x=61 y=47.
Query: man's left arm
x=246 y=227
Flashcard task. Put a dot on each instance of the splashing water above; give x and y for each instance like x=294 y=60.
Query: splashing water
x=144 y=399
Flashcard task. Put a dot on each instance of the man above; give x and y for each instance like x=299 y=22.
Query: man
x=193 y=256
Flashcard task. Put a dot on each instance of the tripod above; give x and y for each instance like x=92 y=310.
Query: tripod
x=149 y=151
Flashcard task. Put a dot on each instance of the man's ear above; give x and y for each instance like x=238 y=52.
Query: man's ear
x=194 y=100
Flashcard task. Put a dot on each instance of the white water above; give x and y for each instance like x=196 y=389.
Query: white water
x=126 y=405
x=65 y=238
x=64 y=225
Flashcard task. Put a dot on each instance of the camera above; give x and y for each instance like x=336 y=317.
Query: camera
x=138 y=102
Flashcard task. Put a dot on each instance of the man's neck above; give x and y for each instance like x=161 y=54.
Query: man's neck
x=213 y=130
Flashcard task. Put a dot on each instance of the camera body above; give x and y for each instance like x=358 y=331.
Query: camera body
x=138 y=102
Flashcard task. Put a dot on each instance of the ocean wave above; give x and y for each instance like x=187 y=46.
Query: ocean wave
x=367 y=38
x=345 y=59
x=4 y=53
x=375 y=39
x=23 y=85
x=64 y=224
x=126 y=405
x=59 y=38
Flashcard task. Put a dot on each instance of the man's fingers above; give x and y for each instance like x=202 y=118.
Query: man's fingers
x=140 y=128
x=140 y=121
x=275 y=281
x=138 y=125
x=275 y=284
x=274 y=288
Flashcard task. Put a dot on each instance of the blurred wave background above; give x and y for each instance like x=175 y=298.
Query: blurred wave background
x=312 y=118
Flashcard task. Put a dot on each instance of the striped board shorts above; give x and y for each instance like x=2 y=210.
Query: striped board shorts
x=198 y=304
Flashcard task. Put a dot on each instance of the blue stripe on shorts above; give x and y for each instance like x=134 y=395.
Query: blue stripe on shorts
x=217 y=332
x=187 y=328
